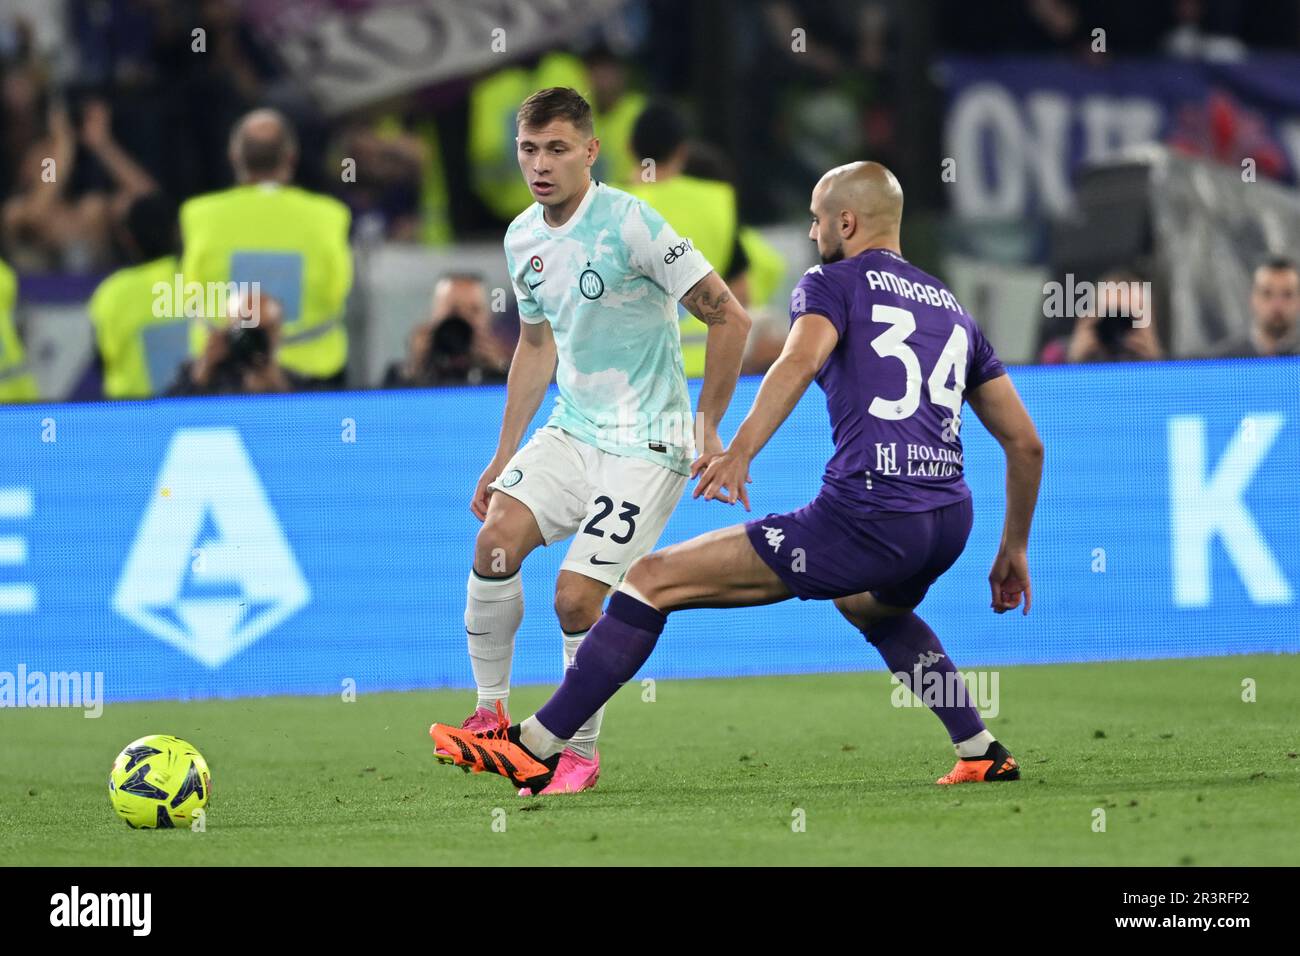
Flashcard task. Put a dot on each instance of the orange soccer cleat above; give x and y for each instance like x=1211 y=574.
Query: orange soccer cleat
x=995 y=764
x=478 y=722
x=493 y=751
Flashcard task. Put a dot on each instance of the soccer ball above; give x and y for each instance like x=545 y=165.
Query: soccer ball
x=158 y=782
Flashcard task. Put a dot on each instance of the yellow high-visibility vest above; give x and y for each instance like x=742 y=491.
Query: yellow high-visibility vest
x=766 y=266
x=16 y=381
x=616 y=165
x=140 y=330
x=704 y=211
x=435 y=204
x=435 y=201
x=295 y=245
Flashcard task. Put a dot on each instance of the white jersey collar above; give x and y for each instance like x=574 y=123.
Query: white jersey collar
x=577 y=213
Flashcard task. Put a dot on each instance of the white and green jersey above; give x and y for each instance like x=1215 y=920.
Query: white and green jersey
x=608 y=281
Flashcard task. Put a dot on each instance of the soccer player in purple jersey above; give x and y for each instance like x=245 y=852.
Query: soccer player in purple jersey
x=896 y=355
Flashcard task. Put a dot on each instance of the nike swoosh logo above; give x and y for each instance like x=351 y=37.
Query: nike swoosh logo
x=596 y=560
x=477 y=633
x=534 y=285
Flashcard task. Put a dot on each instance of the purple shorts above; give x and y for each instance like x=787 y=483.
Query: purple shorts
x=823 y=551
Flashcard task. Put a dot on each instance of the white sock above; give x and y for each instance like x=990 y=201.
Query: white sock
x=539 y=741
x=493 y=609
x=633 y=593
x=974 y=746
x=584 y=741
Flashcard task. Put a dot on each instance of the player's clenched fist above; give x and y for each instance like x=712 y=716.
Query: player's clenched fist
x=479 y=503
x=1009 y=579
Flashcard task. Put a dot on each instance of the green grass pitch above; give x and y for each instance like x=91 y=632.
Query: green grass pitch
x=711 y=772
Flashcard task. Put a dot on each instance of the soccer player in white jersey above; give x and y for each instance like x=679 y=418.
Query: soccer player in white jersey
x=598 y=275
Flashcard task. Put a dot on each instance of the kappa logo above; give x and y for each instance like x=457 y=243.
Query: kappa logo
x=926 y=658
x=210 y=571
x=774 y=537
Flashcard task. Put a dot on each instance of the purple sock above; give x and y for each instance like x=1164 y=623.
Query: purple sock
x=909 y=647
x=611 y=653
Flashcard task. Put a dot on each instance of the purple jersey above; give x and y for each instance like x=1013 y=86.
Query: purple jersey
x=895 y=381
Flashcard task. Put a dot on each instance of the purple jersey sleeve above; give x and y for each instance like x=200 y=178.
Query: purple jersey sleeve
x=984 y=362
x=816 y=293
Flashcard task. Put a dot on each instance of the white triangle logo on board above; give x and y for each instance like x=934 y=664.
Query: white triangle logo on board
x=210 y=571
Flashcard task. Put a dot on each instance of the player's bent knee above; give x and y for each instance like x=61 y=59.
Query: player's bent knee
x=868 y=615
x=884 y=625
x=646 y=575
x=861 y=621
x=577 y=607
x=496 y=551
x=576 y=618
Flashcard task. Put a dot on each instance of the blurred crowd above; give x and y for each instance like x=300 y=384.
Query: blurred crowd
x=1122 y=324
x=133 y=152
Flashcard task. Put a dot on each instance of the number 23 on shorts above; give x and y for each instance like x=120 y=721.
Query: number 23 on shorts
x=618 y=534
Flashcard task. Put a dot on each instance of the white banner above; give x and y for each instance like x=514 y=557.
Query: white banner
x=350 y=53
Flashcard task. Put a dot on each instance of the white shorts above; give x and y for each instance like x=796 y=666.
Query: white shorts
x=615 y=506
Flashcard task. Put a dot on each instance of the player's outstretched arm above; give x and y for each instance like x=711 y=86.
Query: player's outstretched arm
x=710 y=301
x=1003 y=413
x=530 y=374
x=811 y=340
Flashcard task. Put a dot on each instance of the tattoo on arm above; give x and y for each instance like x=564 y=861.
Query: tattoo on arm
x=709 y=306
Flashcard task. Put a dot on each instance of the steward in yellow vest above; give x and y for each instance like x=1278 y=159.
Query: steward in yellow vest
x=140 y=333
x=16 y=381
x=615 y=108
x=291 y=242
x=702 y=210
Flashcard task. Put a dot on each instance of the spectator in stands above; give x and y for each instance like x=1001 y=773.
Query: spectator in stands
x=815 y=103
x=1275 y=314
x=140 y=334
x=59 y=217
x=764 y=270
x=615 y=106
x=701 y=210
x=385 y=197
x=1119 y=328
x=292 y=243
x=456 y=345
x=242 y=359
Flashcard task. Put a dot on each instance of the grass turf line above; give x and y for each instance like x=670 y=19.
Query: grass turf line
x=712 y=772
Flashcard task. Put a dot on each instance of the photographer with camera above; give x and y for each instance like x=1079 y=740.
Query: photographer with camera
x=1121 y=327
x=243 y=358
x=456 y=345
